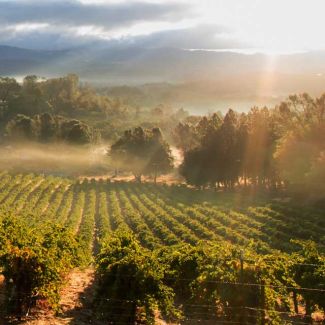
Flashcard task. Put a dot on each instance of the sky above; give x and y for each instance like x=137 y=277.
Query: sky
x=268 y=26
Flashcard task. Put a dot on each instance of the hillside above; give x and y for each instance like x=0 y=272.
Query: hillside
x=196 y=80
x=185 y=215
x=159 y=216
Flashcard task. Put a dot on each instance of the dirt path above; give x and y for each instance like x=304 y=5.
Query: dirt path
x=76 y=297
x=2 y=291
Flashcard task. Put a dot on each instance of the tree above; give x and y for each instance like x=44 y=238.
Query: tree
x=22 y=128
x=9 y=89
x=30 y=100
x=233 y=148
x=76 y=132
x=197 y=167
x=227 y=154
x=142 y=151
x=47 y=127
x=62 y=93
x=185 y=136
x=216 y=159
x=260 y=145
x=300 y=151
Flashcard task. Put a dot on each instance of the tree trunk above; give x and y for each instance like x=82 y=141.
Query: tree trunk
x=308 y=311
x=262 y=303
x=295 y=302
x=137 y=177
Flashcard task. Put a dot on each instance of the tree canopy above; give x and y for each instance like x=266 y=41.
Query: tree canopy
x=46 y=127
x=263 y=147
x=142 y=151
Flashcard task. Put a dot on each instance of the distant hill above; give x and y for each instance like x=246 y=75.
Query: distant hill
x=158 y=64
x=201 y=76
x=19 y=61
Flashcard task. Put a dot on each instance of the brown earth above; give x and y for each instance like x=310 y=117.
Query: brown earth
x=76 y=298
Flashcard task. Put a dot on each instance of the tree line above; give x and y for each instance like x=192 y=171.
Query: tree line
x=264 y=147
x=46 y=127
x=63 y=95
x=67 y=96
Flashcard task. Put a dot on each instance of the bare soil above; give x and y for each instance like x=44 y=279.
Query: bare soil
x=76 y=298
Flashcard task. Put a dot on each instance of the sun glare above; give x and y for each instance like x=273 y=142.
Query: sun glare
x=275 y=26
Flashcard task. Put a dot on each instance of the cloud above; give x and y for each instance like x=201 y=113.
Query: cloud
x=75 y=13
x=62 y=24
x=207 y=24
x=203 y=36
x=192 y=37
x=72 y=22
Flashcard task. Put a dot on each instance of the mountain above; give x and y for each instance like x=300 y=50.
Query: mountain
x=157 y=64
x=201 y=76
x=19 y=61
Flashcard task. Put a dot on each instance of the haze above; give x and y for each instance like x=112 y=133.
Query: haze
x=275 y=47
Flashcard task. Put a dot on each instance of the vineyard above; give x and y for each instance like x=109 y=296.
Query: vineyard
x=160 y=216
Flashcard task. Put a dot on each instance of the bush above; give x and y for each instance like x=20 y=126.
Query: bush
x=131 y=283
x=34 y=261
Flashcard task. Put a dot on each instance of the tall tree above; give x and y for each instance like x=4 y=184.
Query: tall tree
x=9 y=89
x=301 y=149
x=144 y=152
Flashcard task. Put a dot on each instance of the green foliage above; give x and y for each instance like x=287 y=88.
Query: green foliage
x=309 y=272
x=9 y=88
x=300 y=152
x=66 y=96
x=263 y=147
x=34 y=261
x=46 y=128
x=233 y=148
x=142 y=152
x=205 y=279
x=222 y=256
x=22 y=127
x=131 y=283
